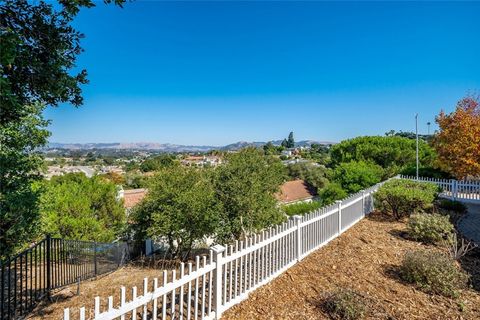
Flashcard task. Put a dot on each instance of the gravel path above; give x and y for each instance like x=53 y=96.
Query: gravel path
x=469 y=225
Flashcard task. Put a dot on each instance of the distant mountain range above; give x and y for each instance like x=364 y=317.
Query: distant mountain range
x=168 y=147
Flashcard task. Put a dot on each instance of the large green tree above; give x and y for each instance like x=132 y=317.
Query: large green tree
x=180 y=208
x=314 y=175
x=392 y=153
x=76 y=207
x=38 y=50
x=246 y=185
x=354 y=176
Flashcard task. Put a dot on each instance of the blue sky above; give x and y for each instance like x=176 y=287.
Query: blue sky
x=219 y=72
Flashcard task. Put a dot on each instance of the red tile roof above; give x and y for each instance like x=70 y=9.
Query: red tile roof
x=133 y=197
x=296 y=190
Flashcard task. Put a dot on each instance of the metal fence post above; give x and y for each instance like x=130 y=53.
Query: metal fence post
x=298 y=220
x=95 y=257
x=49 y=270
x=217 y=282
x=339 y=204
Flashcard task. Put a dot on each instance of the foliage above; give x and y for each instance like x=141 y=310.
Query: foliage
x=429 y=228
x=404 y=197
x=332 y=192
x=158 y=162
x=318 y=153
x=180 y=207
x=270 y=149
x=289 y=142
x=19 y=169
x=38 y=51
x=392 y=153
x=428 y=172
x=458 y=141
x=314 y=176
x=433 y=272
x=76 y=207
x=345 y=305
x=453 y=206
x=354 y=176
x=135 y=180
x=245 y=186
x=114 y=177
x=301 y=208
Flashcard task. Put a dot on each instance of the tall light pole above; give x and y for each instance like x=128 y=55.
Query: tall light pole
x=416 y=136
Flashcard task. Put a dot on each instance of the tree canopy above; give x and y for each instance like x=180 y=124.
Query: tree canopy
x=354 y=176
x=246 y=185
x=180 y=208
x=38 y=50
x=392 y=153
x=458 y=141
x=73 y=206
x=315 y=176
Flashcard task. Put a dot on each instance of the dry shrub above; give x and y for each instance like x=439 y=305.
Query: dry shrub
x=429 y=228
x=433 y=272
x=345 y=305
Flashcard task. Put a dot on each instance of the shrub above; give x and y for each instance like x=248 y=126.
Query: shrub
x=301 y=208
x=454 y=206
x=404 y=197
x=345 y=305
x=433 y=272
x=332 y=192
x=429 y=228
x=354 y=176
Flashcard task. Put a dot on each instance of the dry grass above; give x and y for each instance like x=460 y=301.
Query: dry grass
x=365 y=259
x=108 y=285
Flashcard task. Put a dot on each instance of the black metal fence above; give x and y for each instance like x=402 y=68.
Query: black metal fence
x=54 y=263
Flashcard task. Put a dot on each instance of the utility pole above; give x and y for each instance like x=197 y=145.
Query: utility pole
x=416 y=135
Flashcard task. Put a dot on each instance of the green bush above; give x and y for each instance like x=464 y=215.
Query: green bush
x=354 y=176
x=429 y=228
x=331 y=193
x=433 y=272
x=345 y=305
x=454 y=206
x=301 y=208
x=403 y=197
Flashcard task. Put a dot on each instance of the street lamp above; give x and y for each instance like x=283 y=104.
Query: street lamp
x=416 y=136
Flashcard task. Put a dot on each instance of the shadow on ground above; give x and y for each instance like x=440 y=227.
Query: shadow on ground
x=471 y=264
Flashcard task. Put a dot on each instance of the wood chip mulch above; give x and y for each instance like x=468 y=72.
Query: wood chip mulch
x=364 y=259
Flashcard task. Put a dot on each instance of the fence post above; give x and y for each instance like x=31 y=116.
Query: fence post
x=217 y=282
x=363 y=202
x=339 y=204
x=297 y=220
x=95 y=257
x=455 y=190
x=49 y=270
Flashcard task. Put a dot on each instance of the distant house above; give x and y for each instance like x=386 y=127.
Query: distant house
x=295 y=191
x=201 y=161
x=132 y=197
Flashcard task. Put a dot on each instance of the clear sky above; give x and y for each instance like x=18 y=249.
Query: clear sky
x=220 y=72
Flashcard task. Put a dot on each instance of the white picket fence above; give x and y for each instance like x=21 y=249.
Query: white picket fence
x=226 y=277
x=464 y=190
